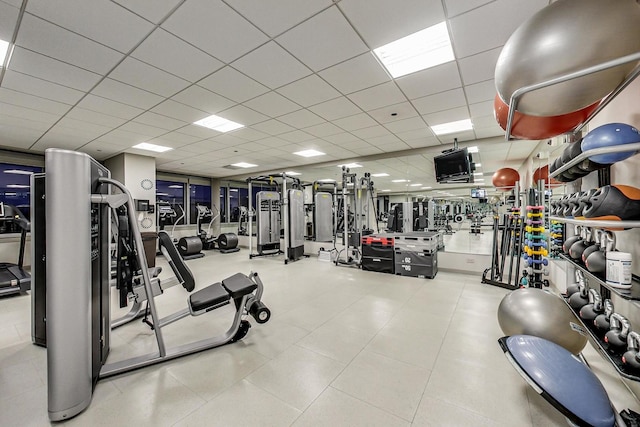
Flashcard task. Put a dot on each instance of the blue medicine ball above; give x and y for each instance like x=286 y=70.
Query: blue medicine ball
x=610 y=135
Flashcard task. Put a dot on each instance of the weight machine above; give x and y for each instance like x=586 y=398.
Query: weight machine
x=276 y=209
x=13 y=278
x=78 y=288
x=324 y=217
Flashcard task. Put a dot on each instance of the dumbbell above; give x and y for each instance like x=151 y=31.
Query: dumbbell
x=619 y=329
x=630 y=357
x=596 y=262
x=590 y=311
x=614 y=202
x=601 y=322
x=580 y=298
x=575 y=287
x=571 y=202
x=574 y=172
x=585 y=166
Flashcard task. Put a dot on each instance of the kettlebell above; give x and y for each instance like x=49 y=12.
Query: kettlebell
x=575 y=287
x=569 y=242
x=576 y=250
x=617 y=335
x=597 y=236
x=580 y=298
x=601 y=322
x=596 y=262
x=630 y=357
x=590 y=311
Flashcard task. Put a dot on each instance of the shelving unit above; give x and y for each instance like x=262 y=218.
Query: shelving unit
x=597 y=223
x=595 y=151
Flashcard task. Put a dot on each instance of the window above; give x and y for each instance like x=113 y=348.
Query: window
x=223 y=204
x=15 y=190
x=199 y=195
x=172 y=192
x=237 y=197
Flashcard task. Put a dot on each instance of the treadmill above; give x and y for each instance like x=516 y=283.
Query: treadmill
x=13 y=278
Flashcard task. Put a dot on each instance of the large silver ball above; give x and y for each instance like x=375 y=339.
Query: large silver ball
x=539 y=313
x=564 y=37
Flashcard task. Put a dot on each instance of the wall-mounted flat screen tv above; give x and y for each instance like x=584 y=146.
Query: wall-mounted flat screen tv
x=478 y=193
x=453 y=167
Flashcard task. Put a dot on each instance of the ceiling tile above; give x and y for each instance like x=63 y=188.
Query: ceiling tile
x=480 y=67
x=323 y=129
x=271 y=65
x=336 y=109
x=489 y=132
x=378 y=96
x=127 y=138
x=371 y=132
x=386 y=142
x=36 y=65
x=153 y=10
x=318 y=48
x=179 y=111
x=199 y=132
x=167 y=52
x=38 y=87
x=468 y=135
x=101 y=150
x=480 y=92
x=21 y=112
x=447 y=116
x=456 y=7
x=367 y=151
x=243 y=115
x=342 y=138
x=180 y=138
x=433 y=80
x=400 y=126
x=301 y=119
x=83 y=126
x=356 y=74
x=8 y=18
x=357 y=121
x=250 y=134
x=126 y=94
x=107 y=106
x=381 y=21
x=160 y=121
x=203 y=99
x=144 y=76
x=275 y=16
x=232 y=84
x=272 y=104
x=43 y=37
x=418 y=136
x=482 y=109
x=395 y=112
x=103 y=21
x=215 y=28
x=490 y=26
x=296 y=136
x=309 y=91
x=440 y=101
x=25 y=100
x=93 y=117
x=273 y=127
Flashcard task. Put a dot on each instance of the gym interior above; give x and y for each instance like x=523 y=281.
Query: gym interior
x=311 y=213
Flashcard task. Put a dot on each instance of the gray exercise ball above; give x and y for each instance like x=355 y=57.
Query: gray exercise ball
x=567 y=36
x=532 y=311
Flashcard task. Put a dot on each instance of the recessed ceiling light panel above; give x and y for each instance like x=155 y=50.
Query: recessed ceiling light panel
x=452 y=127
x=378 y=175
x=152 y=147
x=309 y=153
x=244 y=165
x=418 y=51
x=4 y=51
x=351 y=165
x=218 y=123
x=292 y=173
x=400 y=180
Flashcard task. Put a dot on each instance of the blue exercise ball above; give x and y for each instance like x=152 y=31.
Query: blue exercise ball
x=610 y=135
x=564 y=37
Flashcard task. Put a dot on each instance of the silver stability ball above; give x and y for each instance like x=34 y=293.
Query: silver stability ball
x=532 y=311
x=567 y=36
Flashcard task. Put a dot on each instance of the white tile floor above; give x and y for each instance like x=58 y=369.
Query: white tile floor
x=344 y=347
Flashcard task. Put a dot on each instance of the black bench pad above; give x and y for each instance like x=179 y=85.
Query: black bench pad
x=239 y=285
x=211 y=296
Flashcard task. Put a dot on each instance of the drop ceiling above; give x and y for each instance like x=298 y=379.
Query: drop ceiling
x=100 y=76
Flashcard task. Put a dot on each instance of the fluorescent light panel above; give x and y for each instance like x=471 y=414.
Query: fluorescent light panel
x=292 y=173
x=452 y=127
x=478 y=165
x=415 y=185
x=473 y=149
x=400 y=180
x=152 y=147
x=18 y=172
x=418 y=51
x=309 y=153
x=244 y=165
x=426 y=188
x=351 y=165
x=4 y=51
x=175 y=186
x=17 y=186
x=327 y=180
x=378 y=175
x=384 y=191
x=218 y=123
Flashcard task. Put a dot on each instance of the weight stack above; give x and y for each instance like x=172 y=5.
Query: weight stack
x=377 y=254
x=423 y=264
